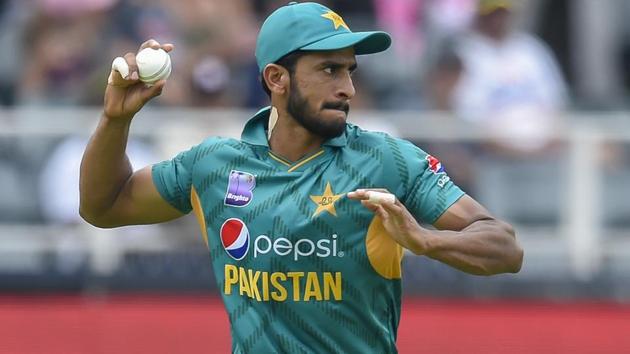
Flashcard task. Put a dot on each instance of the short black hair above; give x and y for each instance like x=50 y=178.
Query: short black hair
x=288 y=62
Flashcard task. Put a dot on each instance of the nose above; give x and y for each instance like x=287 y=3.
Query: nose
x=345 y=88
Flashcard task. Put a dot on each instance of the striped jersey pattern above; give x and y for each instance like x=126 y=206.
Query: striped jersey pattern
x=300 y=267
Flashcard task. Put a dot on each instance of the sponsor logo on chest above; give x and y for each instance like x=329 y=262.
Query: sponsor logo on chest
x=263 y=285
x=239 y=191
x=235 y=239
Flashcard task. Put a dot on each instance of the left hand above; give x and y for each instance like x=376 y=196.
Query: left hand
x=397 y=221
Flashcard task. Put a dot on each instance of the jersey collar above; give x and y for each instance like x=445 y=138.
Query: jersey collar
x=254 y=132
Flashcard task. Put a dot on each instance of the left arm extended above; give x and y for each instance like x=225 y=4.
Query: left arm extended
x=468 y=237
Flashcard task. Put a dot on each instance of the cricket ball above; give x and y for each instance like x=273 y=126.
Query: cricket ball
x=153 y=65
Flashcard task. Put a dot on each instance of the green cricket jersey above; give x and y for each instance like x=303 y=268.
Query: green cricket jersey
x=302 y=268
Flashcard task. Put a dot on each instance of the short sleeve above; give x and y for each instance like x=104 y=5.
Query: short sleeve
x=431 y=191
x=173 y=179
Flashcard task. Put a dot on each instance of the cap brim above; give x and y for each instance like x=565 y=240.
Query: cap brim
x=363 y=42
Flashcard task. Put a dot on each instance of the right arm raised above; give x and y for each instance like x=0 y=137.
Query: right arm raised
x=111 y=194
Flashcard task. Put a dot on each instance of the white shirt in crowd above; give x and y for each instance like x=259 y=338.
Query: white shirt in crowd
x=513 y=86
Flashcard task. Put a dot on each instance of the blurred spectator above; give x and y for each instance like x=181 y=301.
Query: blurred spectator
x=72 y=43
x=445 y=20
x=59 y=179
x=14 y=18
x=65 y=38
x=509 y=82
x=18 y=201
x=442 y=80
x=69 y=45
x=438 y=87
x=402 y=19
x=448 y=17
x=210 y=78
x=396 y=85
x=215 y=43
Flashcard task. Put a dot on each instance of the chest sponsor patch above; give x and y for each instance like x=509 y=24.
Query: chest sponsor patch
x=239 y=191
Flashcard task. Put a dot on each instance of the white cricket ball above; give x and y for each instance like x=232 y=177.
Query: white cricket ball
x=153 y=65
x=381 y=197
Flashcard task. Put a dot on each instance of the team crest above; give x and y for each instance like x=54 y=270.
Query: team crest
x=337 y=20
x=239 y=191
x=326 y=201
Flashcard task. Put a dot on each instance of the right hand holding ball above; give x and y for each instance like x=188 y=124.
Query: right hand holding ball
x=153 y=65
x=136 y=78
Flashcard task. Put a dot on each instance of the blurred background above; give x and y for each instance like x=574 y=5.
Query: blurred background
x=525 y=102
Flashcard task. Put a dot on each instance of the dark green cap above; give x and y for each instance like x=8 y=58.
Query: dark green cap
x=311 y=26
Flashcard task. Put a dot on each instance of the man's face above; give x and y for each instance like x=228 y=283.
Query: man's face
x=320 y=91
x=496 y=24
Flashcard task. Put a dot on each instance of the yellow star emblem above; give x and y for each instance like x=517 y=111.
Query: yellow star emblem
x=336 y=19
x=326 y=202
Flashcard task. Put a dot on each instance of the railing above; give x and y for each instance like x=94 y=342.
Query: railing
x=581 y=237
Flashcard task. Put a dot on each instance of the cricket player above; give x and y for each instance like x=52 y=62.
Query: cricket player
x=307 y=260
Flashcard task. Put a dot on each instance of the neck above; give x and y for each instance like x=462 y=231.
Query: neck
x=291 y=140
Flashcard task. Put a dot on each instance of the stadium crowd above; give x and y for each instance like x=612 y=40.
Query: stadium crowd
x=57 y=52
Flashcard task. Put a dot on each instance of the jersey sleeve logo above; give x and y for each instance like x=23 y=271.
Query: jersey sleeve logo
x=435 y=165
x=239 y=191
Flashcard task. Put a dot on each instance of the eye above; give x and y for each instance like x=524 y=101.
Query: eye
x=329 y=70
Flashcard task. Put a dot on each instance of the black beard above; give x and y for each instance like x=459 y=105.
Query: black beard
x=298 y=108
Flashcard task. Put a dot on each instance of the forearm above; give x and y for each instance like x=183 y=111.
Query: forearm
x=105 y=167
x=485 y=247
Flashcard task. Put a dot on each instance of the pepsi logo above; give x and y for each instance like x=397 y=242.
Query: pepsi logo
x=434 y=164
x=235 y=238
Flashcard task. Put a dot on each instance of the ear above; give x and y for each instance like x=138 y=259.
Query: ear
x=277 y=78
